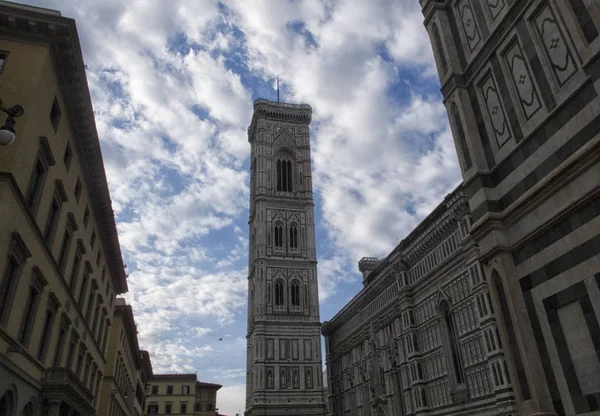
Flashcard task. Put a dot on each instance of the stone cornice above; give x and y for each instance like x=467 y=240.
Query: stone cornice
x=41 y=26
x=294 y=113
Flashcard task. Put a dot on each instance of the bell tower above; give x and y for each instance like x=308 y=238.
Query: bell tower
x=284 y=363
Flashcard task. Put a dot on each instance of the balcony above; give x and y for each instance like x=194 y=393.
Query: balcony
x=62 y=384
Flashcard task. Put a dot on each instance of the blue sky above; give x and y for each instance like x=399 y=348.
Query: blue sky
x=172 y=83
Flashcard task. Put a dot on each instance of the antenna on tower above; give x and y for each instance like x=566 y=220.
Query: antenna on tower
x=277 y=89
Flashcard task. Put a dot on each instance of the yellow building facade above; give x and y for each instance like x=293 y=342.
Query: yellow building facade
x=60 y=261
x=181 y=395
x=124 y=383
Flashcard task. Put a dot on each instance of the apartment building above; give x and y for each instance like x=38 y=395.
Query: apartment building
x=60 y=260
x=181 y=394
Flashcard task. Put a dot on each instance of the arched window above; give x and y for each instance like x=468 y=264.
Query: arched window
x=278 y=236
x=279 y=293
x=284 y=175
x=293 y=237
x=7 y=404
x=462 y=140
x=440 y=48
x=295 y=294
x=452 y=340
x=28 y=409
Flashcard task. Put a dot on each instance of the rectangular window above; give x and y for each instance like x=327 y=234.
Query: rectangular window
x=29 y=317
x=101 y=329
x=168 y=408
x=46 y=334
x=77 y=190
x=51 y=221
x=90 y=305
x=209 y=406
x=62 y=335
x=8 y=286
x=169 y=389
x=71 y=354
x=105 y=336
x=55 y=114
x=83 y=289
x=64 y=251
x=75 y=273
x=183 y=408
x=152 y=409
x=86 y=217
x=68 y=156
x=33 y=299
x=154 y=389
x=86 y=372
x=36 y=183
x=3 y=57
x=94 y=326
x=198 y=407
x=80 y=358
x=185 y=389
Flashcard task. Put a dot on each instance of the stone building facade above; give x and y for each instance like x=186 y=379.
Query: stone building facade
x=60 y=262
x=284 y=344
x=508 y=323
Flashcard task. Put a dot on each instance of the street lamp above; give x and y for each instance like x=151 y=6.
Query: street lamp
x=7 y=132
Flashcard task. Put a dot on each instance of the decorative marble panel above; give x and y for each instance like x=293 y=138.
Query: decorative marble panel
x=294 y=349
x=270 y=378
x=270 y=349
x=307 y=350
x=295 y=377
x=469 y=24
x=522 y=80
x=495 y=7
x=308 y=378
x=283 y=378
x=555 y=45
x=495 y=111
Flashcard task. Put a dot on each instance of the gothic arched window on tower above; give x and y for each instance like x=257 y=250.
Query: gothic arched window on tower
x=278 y=237
x=294 y=237
x=295 y=295
x=279 y=293
x=284 y=175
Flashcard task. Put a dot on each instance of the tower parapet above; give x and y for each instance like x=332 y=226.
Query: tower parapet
x=366 y=265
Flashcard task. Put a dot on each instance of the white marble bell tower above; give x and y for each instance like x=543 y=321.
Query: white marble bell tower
x=284 y=363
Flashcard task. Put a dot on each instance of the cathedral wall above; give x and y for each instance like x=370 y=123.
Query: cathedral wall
x=521 y=84
x=393 y=348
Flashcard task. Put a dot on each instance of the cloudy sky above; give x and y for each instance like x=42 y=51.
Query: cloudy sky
x=172 y=84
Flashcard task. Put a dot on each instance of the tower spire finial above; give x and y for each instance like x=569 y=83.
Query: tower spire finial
x=277 y=89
